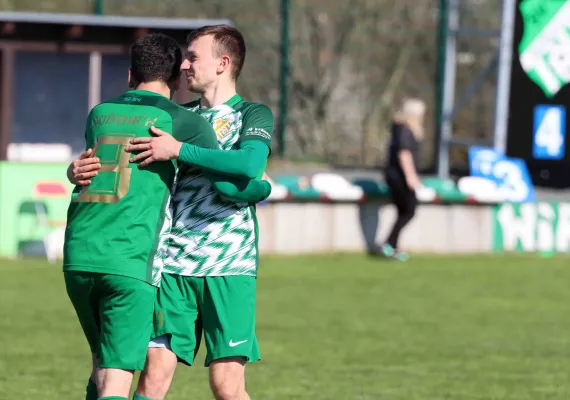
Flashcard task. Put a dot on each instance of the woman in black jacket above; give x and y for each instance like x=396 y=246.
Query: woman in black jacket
x=401 y=173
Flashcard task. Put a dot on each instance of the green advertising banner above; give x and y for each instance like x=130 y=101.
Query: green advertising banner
x=530 y=227
x=26 y=190
x=543 y=48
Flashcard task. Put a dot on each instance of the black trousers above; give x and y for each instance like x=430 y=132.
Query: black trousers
x=406 y=203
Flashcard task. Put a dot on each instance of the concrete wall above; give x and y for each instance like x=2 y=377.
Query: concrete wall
x=314 y=227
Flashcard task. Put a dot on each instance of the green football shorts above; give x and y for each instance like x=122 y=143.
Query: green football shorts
x=222 y=306
x=116 y=314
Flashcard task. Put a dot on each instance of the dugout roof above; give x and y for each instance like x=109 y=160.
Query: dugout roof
x=93 y=28
x=89 y=51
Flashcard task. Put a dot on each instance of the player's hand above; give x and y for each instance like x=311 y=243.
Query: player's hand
x=83 y=168
x=163 y=147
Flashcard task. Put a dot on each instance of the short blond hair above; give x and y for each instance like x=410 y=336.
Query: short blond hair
x=411 y=114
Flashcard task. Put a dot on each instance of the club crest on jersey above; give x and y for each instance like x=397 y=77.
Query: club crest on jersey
x=222 y=127
x=544 y=49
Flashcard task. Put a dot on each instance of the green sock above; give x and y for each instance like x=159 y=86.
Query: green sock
x=113 y=398
x=91 y=391
x=137 y=396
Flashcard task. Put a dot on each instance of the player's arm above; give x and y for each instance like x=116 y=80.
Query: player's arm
x=231 y=188
x=239 y=190
x=248 y=161
x=234 y=189
x=254 y=148
x=84 y=167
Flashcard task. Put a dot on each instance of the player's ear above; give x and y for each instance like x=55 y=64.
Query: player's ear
x=225 y=64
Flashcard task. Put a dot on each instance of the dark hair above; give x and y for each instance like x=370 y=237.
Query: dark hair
x=228 y=40
x=155 y=57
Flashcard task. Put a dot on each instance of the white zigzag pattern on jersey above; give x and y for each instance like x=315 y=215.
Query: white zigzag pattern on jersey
x=210 y=236
x=220 y=231
x=158 y=261
x=217 y=258
x=196 y=202
x=218 y=242
x=199 y=236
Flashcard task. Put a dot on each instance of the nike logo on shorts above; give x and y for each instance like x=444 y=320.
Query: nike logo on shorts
x=234 y=344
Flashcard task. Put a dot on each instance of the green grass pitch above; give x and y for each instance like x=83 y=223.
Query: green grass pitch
x=338 y=327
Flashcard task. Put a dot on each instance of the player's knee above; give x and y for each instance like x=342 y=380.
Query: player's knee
x=114 y=382
x=153 y=385
x=227 y=380
x=227 y=391
x=155 y=380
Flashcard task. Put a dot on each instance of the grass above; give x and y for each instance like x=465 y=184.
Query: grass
x=338 y=327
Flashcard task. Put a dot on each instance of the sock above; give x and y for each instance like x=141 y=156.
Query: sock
x=137 y=396
x=113 y=398
x=91 y=391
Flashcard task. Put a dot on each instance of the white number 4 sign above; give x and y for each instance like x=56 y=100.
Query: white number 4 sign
x=549 y=132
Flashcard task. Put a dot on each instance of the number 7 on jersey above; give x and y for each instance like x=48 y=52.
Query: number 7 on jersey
x=114 y=178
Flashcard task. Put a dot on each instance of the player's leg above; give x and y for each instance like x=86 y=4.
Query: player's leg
x=227 y=379
x=126 y=314
x=177 y=334
x=81 y=290
x=228 y=308
x=114 y=382
x=91 y=389
x=158 y=373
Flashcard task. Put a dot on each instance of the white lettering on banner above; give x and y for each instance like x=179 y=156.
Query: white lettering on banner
x=549 y=134
x=515 y=187
x=559 y=56
x=545 y=227
x=563 y=228
x=536 y=227
x=515 y=228
x=532 y=62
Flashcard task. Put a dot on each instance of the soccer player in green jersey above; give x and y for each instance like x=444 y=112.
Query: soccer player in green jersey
x=116 y=218
x=210 y=264
x=209 y=258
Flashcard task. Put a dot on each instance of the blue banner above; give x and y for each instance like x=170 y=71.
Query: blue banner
x=509 y=174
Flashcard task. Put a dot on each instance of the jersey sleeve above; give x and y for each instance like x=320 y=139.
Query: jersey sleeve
x=89 y=139
x=258 y=125
x=191 y=128
x=249 y=161
x=239 y=190
x=89 y=144
x=404 y=138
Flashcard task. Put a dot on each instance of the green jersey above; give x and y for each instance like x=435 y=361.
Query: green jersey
x=211 y=236
x=114 y=224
